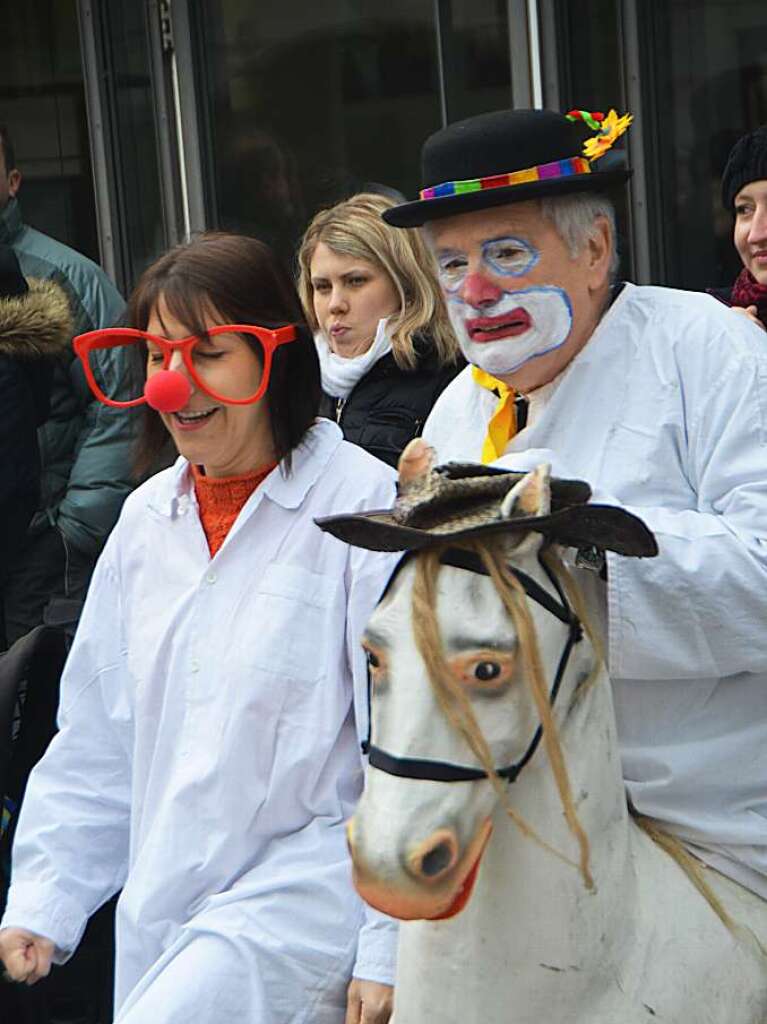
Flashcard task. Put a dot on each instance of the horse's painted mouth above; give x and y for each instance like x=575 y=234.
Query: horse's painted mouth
x=410 y=903
x=466 y=887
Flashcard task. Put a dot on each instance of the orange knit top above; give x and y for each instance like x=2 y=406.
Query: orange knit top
x=220 y=500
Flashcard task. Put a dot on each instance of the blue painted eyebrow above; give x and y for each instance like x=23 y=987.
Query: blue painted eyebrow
x=524 y=242
x=506 y=238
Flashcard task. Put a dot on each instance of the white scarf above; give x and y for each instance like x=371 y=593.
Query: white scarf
x=340 y=375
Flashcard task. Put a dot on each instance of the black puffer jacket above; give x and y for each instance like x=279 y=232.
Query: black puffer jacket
x=35 y=327
x=389 y=406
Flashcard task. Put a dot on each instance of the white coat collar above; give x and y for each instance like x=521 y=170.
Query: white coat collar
x=175 y=488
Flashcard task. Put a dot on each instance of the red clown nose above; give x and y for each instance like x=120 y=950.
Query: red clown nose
x=167 y=391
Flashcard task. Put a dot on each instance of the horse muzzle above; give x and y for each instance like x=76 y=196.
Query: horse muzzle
x=432 y=881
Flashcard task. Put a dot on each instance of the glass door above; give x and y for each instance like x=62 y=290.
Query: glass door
x=302 y=105
x=694 y=74
x=704 y=80
x=130 y=94
x=582 y=55
x=42 y=105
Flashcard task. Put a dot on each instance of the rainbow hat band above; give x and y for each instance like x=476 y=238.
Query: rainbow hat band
x=573 y=165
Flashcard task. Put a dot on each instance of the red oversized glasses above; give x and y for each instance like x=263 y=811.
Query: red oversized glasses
x=168 y=390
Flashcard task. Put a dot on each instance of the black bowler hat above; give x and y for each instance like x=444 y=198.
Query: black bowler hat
x=509 y=156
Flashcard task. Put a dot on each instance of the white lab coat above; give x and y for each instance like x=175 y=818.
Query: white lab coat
x=208 y=756
x=665 y=412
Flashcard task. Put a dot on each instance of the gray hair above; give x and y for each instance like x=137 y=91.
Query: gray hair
x=573 y=217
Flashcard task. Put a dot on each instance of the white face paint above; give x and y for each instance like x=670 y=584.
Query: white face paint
x=520 y=325
x=526 y=323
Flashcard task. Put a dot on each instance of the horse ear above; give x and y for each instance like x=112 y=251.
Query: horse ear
x=530 y=496
x=415 y=464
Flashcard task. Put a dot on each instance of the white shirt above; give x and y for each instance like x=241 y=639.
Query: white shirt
x=665 y=412
x=207 y=757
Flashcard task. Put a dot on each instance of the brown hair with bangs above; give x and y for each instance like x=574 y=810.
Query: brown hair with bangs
x=239 y=280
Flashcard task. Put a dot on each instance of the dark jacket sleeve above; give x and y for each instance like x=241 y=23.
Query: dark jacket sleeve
x=35 y=328
x=100 y=478
x=19 y=456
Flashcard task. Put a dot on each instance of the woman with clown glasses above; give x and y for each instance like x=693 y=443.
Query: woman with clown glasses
x=208 y=751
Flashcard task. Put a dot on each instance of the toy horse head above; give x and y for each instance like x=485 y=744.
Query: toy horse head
x=474 y=655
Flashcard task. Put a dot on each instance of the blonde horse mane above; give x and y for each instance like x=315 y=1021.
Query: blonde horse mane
x=456 y=705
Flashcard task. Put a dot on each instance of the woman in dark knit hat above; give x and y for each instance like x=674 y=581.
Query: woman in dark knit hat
x=744 y=193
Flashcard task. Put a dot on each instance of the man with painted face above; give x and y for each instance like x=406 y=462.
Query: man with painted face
x=658 y=398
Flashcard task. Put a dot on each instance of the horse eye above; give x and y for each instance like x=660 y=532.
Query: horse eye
x=373 y=659
x=486 y=671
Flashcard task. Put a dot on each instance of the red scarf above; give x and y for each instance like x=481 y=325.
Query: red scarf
x=748 y=292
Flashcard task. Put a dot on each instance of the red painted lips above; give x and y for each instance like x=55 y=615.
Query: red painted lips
x=494 y=328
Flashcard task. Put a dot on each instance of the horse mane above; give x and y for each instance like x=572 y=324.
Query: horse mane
x=456 y=705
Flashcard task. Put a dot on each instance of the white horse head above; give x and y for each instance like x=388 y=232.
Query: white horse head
x=489 y=702
x=448 y=664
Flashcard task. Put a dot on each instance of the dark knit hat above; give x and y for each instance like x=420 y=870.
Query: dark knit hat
x=506 y=156
x=747 y=162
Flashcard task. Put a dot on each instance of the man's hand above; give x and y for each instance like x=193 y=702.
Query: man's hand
x=751 y=313
x=368 y=1002
x=26 y=956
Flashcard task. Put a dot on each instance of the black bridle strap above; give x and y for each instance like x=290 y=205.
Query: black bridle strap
x=443 y=771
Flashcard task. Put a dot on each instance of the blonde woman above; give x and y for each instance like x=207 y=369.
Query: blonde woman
x=386 y=347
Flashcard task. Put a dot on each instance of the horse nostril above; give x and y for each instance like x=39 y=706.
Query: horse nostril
x=437 y=860
x=433 y=858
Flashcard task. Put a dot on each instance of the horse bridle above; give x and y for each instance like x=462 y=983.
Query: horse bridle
x=444 y=771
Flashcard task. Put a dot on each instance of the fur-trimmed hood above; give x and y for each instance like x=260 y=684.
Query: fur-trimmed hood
x=38 y=324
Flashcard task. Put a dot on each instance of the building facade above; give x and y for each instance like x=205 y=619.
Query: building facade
x=136 y=122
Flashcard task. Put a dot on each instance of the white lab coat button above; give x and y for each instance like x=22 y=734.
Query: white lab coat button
x=211 y=577
x=195 y=665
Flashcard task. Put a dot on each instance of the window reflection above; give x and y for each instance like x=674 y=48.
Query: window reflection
x=474 y=36
x=310 y=103
x=589 y=75
x=707 y=63
x=703 y=73
x=135 y=160
x=42 y=102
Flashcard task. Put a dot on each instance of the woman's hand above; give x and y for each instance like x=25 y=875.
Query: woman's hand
x=26 y=956
x=749 y=312
x=368 y=1002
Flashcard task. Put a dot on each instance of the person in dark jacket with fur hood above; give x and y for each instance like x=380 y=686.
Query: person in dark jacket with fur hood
x=383 y=336
x=35 y=325
x=85 y=448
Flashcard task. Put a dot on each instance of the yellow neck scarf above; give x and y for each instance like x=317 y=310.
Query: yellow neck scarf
x=503 y=423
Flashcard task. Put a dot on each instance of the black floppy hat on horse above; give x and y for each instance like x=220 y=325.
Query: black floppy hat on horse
x=510 y=156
